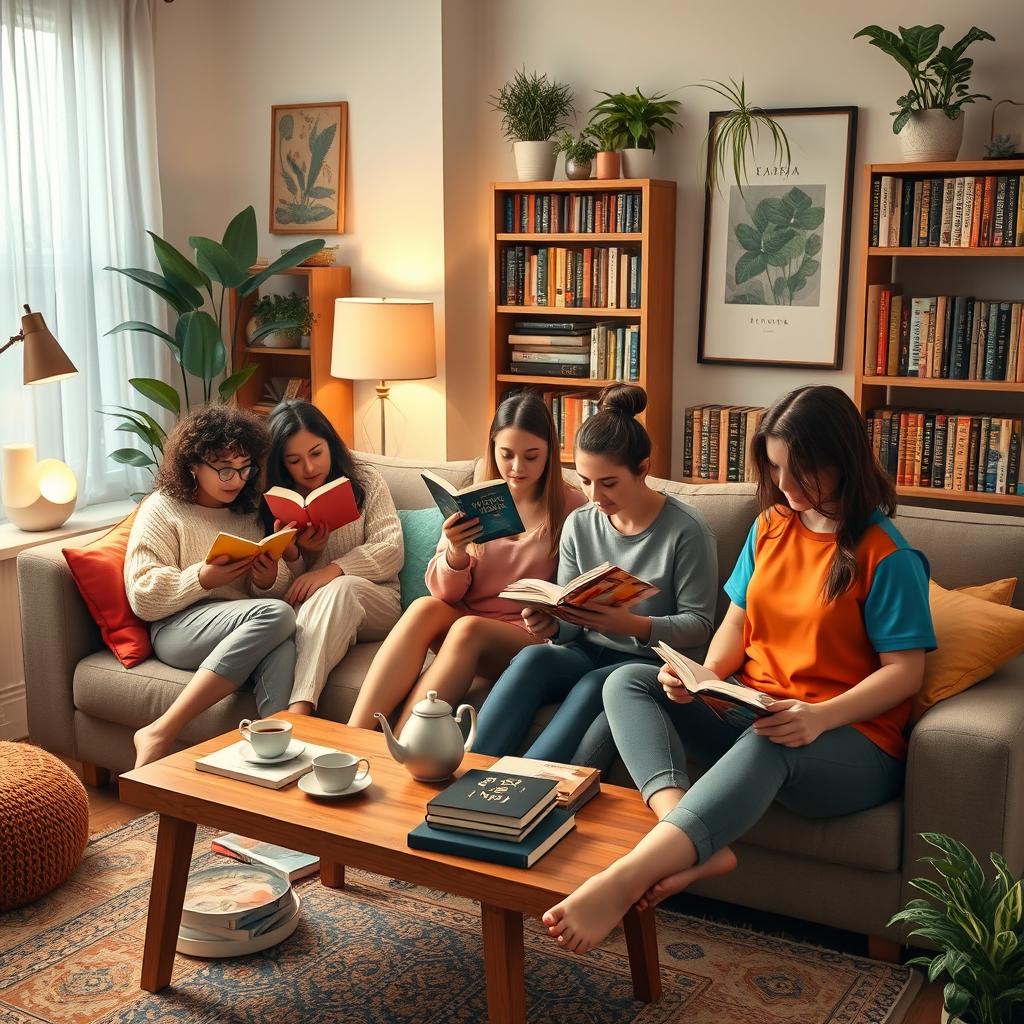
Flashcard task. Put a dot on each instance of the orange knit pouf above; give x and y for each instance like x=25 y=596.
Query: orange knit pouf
x=44 y=823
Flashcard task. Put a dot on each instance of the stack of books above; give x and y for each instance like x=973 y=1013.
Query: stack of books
x=291 y=864
x=575 y=784
x=277 y=389
x=499 y=817
x=550 y=348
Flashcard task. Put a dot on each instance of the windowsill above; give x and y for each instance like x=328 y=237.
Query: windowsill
x=86 y=520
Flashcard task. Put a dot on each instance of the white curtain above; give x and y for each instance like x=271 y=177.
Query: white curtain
x=78 y=188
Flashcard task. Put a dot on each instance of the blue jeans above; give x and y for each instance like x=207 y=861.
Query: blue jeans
x=573 y=674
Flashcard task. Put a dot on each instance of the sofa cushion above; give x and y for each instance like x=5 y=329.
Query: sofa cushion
x=421 y=530
x=403 y=477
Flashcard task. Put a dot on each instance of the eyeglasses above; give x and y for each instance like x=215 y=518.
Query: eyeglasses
x=226 y=473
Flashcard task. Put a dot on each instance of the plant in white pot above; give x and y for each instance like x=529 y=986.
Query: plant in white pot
x=533 y=110
x=636 y=119
x=290 y=312
x=978 y=928
x=929 y=121
x=579 y=151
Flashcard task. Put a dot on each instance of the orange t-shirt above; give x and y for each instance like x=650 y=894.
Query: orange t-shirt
x=800 y=647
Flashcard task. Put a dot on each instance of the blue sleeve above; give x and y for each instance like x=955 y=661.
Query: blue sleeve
x=896 y=612
x=736 y=584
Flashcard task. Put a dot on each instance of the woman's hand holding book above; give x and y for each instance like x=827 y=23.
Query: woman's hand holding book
x=675 y=689
x=539 y=623
x=459 y=532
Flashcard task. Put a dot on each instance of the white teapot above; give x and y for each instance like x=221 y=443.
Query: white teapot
x=432 y=745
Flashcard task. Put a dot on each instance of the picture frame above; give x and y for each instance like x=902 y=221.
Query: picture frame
x=763 y=302
x=308 y=157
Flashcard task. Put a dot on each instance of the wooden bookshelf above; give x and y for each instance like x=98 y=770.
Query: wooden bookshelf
x=655 y=243
x=969 y=271
x=331 y=395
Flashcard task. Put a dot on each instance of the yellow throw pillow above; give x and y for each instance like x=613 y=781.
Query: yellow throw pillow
x=976 y=634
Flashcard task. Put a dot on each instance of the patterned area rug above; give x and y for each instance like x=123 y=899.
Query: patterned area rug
x=387 y=951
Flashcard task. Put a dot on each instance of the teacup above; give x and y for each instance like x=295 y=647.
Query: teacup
x=269 y=737
x=336 y=772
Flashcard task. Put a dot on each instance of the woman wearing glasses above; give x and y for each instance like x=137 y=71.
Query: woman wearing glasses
x=225 y=620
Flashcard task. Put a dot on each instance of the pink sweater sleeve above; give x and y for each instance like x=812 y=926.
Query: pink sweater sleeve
x=442 y=580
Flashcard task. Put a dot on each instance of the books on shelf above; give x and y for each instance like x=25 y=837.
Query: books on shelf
x=233 y=896
x=715 y=689
x=572 y=212
x=607 y=350
x=489 y=501
x=239 y=547
x=482 y=796
x=605 y=584
x=605 y=276
x=575 y=784
x=717 y=439
x=291 y=864
x=230 y=762
x=570 y=410
x=333 y=504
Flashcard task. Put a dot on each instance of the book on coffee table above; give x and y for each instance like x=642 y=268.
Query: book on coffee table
x=576 y=784
x=494 y=798
x=228 y=761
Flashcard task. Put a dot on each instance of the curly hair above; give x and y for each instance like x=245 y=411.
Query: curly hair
x=205 y=433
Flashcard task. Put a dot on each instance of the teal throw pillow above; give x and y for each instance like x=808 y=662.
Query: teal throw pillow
x=421 y=530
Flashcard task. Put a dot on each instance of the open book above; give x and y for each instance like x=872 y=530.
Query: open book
x=489 y=501
x=606 y=584
x=333 y=504
x=237 y=548
x=716 y=689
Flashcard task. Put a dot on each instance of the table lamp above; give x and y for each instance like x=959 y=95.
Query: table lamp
x=383 y=340
x=38 y=495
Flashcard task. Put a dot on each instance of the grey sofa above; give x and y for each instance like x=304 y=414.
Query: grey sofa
x=965 y=769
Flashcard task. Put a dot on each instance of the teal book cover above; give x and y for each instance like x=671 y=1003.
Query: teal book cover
x=495 y=796
x=490 y=501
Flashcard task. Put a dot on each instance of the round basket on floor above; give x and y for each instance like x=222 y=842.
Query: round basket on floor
x=44 y=823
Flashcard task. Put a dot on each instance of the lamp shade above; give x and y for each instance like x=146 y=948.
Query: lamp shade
x=383 y=339
x=44 y=359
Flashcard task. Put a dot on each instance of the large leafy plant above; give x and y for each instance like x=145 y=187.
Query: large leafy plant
x=633 y=117
x=196 y=337
x=938 y=80
x=978 y=927
x=532 y=108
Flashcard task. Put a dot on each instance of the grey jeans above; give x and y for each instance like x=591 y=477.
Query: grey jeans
x=240 y=640
x=842 y=771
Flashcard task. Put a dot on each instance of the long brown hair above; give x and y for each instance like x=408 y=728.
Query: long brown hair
x=824 y=431
x=526 y=410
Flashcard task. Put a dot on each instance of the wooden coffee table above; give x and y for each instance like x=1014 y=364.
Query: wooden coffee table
x=368 y=831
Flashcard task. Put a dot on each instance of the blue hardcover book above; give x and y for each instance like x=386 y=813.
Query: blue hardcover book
x=497 y=798
x=490 y=501
x=522 y=854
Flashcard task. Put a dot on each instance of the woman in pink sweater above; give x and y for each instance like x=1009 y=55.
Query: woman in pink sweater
x=471 y=629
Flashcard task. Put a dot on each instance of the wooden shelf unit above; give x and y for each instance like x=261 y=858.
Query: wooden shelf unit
x=656 y=244
x=879 y=266
x=331 y=395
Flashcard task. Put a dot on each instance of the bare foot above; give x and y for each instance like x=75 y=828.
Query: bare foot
x=719 y=863
x=585 y=917
x=150 y=746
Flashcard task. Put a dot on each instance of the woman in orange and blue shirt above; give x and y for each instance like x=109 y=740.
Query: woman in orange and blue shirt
x=829 y=616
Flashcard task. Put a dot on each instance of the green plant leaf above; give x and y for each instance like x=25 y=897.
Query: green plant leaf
x=274 y=326
x=933 y=889
x=240 y=238
x=134 y=428
x=156 y=283
x=202 y=353
x=809 y=219
x=813 y=245
x=749 y=266
x=289 y=183
x=319 y=147
x=286 y=127
x=1003 y=871
x=809 y=267
x=748 y=237
x=297 y=172
x=920 y=41
x=144 y=328
x=217 y=262
x=956 y=999
x=293 y=257
x=936 y=967
x=1004 y=945
x=158 y=392
x=775 y=212
x=138 y=416
x=320 y=192
x=229 y=386
x=1009 y=910
x=180 y=271
x=132 y=457
x=779 y=289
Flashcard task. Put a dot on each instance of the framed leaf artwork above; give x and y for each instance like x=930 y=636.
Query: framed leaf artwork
x=308 y=143
x=776 y=250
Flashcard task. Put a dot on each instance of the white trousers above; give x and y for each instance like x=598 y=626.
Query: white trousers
x=327 y=624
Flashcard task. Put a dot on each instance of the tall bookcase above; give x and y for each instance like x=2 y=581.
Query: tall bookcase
x=989 y=272
x=655 y=243
x=330 y=394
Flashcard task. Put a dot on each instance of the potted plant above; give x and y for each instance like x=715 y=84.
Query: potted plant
x=978 y=927
x=273 y=310
x=636 y=119
x=607 y=138
x=579 y=151
x=929 y=120
x=532 y=111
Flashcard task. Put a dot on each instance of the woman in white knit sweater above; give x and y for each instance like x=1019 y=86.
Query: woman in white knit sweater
x=224 y=619
x=345 y=583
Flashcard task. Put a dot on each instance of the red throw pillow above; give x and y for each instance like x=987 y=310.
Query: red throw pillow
x=98 y=570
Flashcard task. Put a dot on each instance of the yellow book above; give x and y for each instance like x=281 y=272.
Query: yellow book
x=237 y=548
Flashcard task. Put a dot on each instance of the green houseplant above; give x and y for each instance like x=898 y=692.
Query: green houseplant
x=196 y=337
x=533 y=110
x=978 y=927
x=929 y=117
x=579 y=151
x=636 y=119
x=277 y=310
x=607 y=138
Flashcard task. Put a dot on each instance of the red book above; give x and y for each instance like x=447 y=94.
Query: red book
x=334 y=504
x=882 y=349
x=988 y=211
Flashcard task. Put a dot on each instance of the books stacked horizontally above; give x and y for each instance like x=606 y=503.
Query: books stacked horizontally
x=291 y=864
x=235 y=909
x=575 y=784
x=237 y=761
x=574 y=348
x=494 y=816
x=277 y=389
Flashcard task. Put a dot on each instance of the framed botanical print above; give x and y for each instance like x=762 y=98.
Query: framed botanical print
x=773 y=284
x=308 y=144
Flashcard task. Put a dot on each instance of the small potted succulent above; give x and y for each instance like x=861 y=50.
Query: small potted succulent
x=929 y=121
x=290 y=309
x=579 y=151
x=607 y=138
x=636 y=118
x=533 y=110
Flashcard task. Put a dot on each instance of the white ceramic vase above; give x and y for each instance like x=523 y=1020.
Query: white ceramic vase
x=535 y=161
x=929 y=135
x=36 y=495
x=947 y=1019
x=638 y=163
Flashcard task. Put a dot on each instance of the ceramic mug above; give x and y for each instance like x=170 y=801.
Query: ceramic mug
x=336 y=772
x=269 y=737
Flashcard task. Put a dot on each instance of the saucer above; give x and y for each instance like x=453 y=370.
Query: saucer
x=309 y=785
x=249 y=756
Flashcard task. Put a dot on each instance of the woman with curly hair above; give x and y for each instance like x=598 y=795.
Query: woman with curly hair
x=223 y=619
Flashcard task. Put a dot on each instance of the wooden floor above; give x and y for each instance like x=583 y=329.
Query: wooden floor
x=106 y=812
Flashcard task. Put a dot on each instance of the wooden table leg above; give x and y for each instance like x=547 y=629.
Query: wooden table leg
x=332 y=874
x=642 y=944
x=174 y=844
x=503 y=965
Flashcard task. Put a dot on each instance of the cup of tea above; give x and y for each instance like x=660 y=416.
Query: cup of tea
x=269 y=737
x=337 y=771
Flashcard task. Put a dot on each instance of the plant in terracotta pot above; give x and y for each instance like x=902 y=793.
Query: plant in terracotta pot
x=533 y=110
x=607 y=138
x=289 y=316
x=636 y=119
x=978 y=927
x=579 y=151
x=929 y=120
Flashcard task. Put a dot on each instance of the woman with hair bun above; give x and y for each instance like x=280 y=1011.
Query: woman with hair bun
x=628 y=523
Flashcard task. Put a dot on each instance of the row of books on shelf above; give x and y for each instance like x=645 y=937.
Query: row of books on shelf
x=928 y=212
x=605 y=277
x=954 y=337
x=716 y=441
x=569 y=412
x=572 y=212
x=278 y=389
x=949 y=451
x=602 y=351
